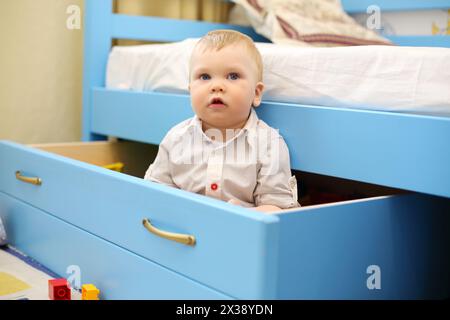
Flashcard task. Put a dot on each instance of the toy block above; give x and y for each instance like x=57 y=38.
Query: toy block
x=89 y=292
x=59 y=289
x=117 y=166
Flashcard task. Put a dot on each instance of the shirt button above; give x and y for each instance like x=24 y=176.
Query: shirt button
x=214 y=186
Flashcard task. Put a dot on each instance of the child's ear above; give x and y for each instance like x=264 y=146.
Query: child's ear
x=258 y=94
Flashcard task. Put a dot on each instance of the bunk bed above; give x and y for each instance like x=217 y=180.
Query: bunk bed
x=135 y=239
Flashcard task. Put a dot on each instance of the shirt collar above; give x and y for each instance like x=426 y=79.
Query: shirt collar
x=250 y=125
x=252 y=121
x=248 y=131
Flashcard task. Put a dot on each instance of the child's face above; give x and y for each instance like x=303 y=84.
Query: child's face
x=224 y=86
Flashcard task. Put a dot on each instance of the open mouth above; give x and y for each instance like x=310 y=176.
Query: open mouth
x=216 y=103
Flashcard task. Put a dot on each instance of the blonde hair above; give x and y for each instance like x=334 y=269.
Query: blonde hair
x=219 y=39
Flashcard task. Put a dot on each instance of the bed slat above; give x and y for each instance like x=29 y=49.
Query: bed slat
x=421 y=41
x=338 y=142
x=168 y=30
x=359 y=6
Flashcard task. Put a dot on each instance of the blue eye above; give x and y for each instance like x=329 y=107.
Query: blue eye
x=233 y=76
x=205 y=76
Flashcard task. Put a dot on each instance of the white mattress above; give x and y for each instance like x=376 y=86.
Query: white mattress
x=402 y=79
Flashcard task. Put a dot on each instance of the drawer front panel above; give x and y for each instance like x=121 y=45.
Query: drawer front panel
x=394 y=247
x=118 y=273
x=236 y=248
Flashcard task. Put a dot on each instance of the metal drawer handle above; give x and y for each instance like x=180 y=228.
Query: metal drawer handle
x=178 y=237
x=33 y=180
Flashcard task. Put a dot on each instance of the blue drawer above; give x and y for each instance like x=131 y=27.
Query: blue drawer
x=393 y=247
x=118 y=273
x=325 y=251
x=234 y=246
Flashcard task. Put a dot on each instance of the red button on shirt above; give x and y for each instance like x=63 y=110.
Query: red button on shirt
x=214 y=186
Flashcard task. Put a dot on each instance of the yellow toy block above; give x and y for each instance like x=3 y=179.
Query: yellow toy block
x=117 y=166
x=89 y=292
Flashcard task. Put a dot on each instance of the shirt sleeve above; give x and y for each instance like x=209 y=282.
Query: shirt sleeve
x=159 y=171
x=275 y=185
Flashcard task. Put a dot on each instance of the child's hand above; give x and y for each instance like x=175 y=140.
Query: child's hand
x=267 y=208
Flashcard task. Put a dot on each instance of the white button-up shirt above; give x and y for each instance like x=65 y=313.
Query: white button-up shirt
x=251 y=167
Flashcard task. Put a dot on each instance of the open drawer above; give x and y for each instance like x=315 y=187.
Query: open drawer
x=384 y=246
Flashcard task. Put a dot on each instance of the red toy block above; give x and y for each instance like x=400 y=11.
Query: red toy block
x=58 y=289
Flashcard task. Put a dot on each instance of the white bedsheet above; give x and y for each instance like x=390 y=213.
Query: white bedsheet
x=402 y=79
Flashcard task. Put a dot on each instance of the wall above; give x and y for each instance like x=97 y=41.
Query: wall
x=40 y=79
x=41 y=63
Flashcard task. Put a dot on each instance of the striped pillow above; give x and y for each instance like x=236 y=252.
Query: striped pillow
x=308 y=23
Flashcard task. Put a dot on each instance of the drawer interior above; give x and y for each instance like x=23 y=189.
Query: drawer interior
x=135 y=156
x=313 y=189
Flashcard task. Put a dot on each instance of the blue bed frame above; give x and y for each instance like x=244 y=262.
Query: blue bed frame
x=398 y=150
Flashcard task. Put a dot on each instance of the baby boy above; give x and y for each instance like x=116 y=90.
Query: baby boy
x=225 y=151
